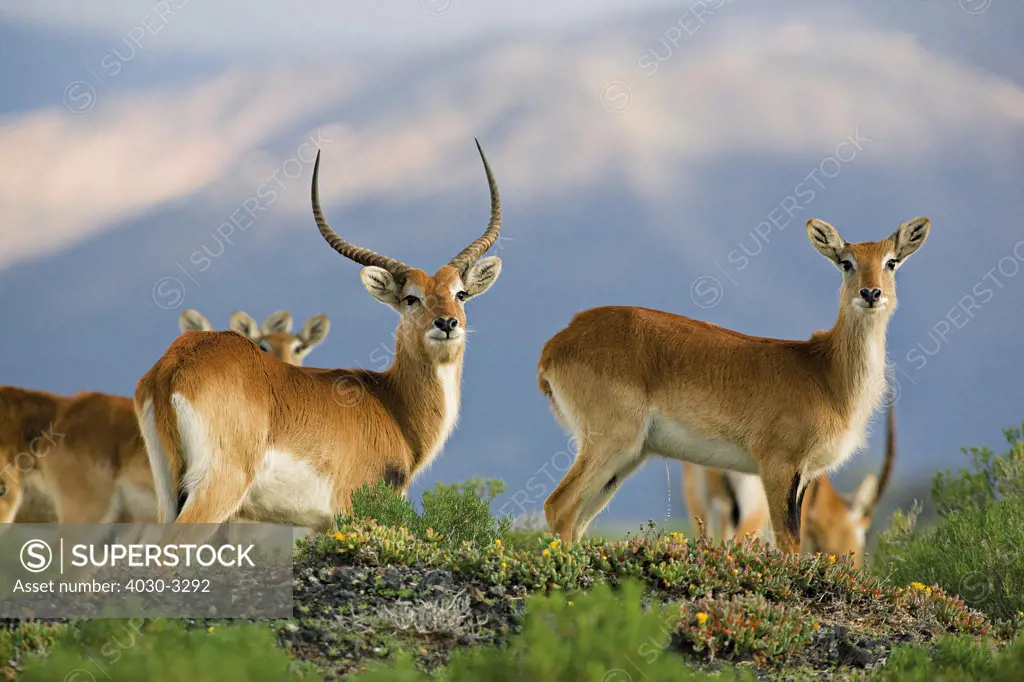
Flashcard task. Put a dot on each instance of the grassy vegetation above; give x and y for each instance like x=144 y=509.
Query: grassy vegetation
x=392 y=594
x=977 y=548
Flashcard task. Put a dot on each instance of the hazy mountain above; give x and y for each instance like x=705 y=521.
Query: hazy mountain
x=636 y=155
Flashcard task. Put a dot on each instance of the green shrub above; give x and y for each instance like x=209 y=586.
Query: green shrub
x=602 y=635
x=976 y=549
x=955 y=659
x=382 y=504
x=164 y=651
x=462 y=511
x=30 y=638
x=977 y=553
x=995 y=478
x=452 y=513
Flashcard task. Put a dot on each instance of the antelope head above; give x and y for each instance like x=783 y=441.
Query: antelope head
x=274 y=336
x=869 y=283
x=431 y=308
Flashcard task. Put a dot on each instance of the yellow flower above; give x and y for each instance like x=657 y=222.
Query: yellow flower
x=735 y=571
x=504 y=565
x=1020 y=613
x=917 y=585
x=815 y=625
x=570 y=603
x=728 y=557
x=692 y=586
x=553 y=544
x=545 y=553
x=497 y=542
x=209 y=629
x=831 y=558
x=702 y=617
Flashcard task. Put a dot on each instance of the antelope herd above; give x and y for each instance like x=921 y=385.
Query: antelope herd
x=230 y=426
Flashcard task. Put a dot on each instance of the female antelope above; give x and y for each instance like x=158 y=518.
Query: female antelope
x=651 y=382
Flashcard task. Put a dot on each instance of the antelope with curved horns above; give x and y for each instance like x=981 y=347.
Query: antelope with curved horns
x=230 y=430
x=275 y=334
x=653 y=382
x=734 y=504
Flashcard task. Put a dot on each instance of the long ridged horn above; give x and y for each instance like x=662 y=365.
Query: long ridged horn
x=479 y=246
x=348 y=250
x=890 y=453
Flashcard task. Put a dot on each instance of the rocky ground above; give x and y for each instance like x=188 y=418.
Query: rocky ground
x=370 y=592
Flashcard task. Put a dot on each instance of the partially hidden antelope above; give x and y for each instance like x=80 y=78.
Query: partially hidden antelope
x=274 y=336
x=81 y=458
x=734 y=504
x=652 y=382
x=231 y=431
x=71 y=459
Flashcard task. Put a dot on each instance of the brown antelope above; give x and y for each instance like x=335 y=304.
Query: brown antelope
x=273 y=336
x=76 y=459
x=651 y=382
x=734 y=504
x=82 y=459
x=230 y=430
x=26 y=436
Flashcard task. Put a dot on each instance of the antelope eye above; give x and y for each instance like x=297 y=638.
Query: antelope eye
x=411 y=300
x=3 y=489
x=847 y=265
x=891 y=264
x=265 y=346
x=461 y=295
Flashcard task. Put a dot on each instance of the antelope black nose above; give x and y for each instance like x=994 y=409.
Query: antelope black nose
x=871 y=295
x=446 y=324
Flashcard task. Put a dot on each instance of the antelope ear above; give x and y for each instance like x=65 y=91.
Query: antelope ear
x=193 y=320
x=244 y=324
x=277 y=321
x=481 y=275
x=825 y=239
x=381 y=284
x=910 y=236
x=865 y=495
x=315 y=330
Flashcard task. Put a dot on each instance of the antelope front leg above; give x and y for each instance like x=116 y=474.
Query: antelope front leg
x=784 y=487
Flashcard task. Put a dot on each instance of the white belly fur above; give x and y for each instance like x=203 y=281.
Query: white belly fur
x=289 y=489
x=669 y=438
